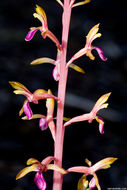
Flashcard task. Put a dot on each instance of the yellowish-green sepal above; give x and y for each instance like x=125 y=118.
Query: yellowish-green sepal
x=92 y=32
x=41 y=61
x=50 y=103
x=101 y=101
x=31 y=161
x=88 y=162
x=17 y=85
x=27 y=170
x=60 y=2
x=104 y=164
x=56 y=168
x=77 y=68
x=81 y=3
x=82 y=183
x=66 y=118
x=40 y=92
x=34 y=116
x=41 y=12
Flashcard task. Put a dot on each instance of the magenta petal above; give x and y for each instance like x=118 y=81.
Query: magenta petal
x=40 y=181
x=55 y=74
x=100 y=53
x=27 y=110
x=31 y=34
x=92 y=184
x=101 y=125
x=101 y=128
x=43 y=124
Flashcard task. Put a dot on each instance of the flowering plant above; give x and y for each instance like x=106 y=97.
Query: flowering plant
x=60 y=73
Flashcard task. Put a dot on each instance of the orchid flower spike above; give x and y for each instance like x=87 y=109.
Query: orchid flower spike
x=39 y=94
x=45 y=32
x=91 y=170
x=40 y=167
x=100 y=104
x=46 y=121
x=92 y=35
x=56 y=63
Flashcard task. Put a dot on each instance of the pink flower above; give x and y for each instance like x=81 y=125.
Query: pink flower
x=45 y=32
x=39 y=94
x=40 y=167
x=92 y=35
x=56 y=63
x=100 y=104
x=46 y=121
x=91 y=170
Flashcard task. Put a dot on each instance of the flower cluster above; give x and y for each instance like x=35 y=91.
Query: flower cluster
x=40 y=167
x=91 y=170
x=39 y=94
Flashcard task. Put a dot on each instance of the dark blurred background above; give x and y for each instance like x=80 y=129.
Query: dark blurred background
x=21 y=140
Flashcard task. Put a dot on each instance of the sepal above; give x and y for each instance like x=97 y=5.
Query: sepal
x=27 y=170
x=56 y=168
x=82 y=183
x=81 y=3
x=103 y=164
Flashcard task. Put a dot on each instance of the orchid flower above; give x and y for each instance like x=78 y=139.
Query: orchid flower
x=39 y=94
x=91 y=170
x=92 y=35
x=40 y=167
x=45 y=32
x=100 y=104
x=56 y=63
x=46 y=121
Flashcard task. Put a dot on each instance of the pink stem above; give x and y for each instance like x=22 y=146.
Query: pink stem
x=58 y=152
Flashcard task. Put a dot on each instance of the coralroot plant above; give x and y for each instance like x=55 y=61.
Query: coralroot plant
x=60 y=73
